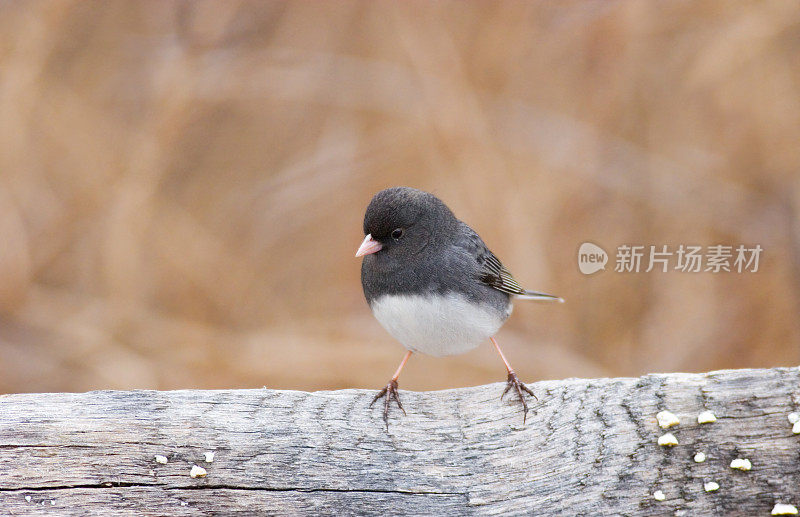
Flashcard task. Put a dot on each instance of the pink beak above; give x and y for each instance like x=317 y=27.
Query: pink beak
x=369 y=245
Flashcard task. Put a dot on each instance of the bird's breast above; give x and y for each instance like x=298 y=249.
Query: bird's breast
x=438 y=325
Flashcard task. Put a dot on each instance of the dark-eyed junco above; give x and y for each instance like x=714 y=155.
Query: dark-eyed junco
x=432 y=282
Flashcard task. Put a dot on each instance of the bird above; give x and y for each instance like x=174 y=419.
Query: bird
x=433 y=284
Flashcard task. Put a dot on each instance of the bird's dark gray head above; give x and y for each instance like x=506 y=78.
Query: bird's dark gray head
x=405 y=220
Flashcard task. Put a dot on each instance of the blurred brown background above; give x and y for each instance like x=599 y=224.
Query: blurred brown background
x=182 y=184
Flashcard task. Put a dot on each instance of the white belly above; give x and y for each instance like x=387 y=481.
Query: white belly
x=441 y=325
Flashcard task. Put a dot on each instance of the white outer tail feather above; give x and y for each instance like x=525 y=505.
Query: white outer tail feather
x=542 y=297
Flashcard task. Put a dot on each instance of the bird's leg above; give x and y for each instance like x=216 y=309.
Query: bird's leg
x=514 y=382
x=390 y=392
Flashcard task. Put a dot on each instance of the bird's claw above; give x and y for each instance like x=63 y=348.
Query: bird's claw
x=389 y=392
x=519 y=387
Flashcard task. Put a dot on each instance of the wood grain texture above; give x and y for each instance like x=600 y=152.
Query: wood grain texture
x=589 y=448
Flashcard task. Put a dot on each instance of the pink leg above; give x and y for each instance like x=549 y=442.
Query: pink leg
x=402 y=363
x=390 y=392
x=503 y=357
x=514 y=382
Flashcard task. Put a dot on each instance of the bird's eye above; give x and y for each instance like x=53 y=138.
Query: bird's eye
x=397 y=233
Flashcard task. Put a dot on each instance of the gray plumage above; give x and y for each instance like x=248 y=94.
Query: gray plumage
x=436 y=254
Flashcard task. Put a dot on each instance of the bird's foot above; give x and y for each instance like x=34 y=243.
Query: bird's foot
x=389 y=392
x=515 y=384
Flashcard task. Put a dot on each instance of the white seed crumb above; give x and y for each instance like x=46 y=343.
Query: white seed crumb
x=161 y=459
x=477 y=501
x=52 y=502
x=706 y=417
x=700 y=457
x=209 y=457
x=184 y=503
x=784 y=509
x=658 y=495
x=796 y=427
x=667 y=440
x=198 y=472
x=28 y=498
x=667 y=419
x=793 y=418
x=711 y=486
x=152 y=472
x=741 y=464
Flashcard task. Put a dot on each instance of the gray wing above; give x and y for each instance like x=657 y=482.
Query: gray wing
x=492 y=272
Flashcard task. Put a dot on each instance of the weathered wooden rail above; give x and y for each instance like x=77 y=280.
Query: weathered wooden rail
x=589 y=448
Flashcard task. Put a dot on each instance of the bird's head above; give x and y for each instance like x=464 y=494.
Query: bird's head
x=402 y=221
